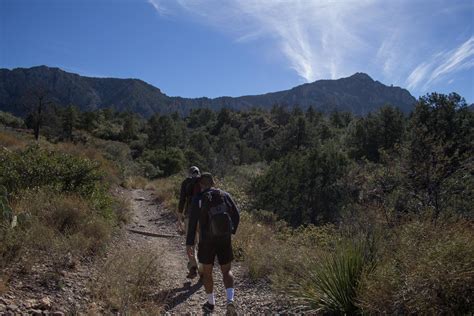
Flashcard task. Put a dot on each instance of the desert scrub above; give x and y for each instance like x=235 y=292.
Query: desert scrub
x=423 y=268
x=128 y=280
x=135 y=182
x=271 y=249
x=167 y=190
x=56 y=224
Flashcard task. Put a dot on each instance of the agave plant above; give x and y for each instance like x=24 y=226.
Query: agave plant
x=330 y=285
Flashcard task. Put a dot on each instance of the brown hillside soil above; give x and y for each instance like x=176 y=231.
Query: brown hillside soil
x=43 y=289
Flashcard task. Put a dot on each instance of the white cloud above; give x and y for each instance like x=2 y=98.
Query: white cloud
x=334 y=38
x=441 y=65
x=162 y=10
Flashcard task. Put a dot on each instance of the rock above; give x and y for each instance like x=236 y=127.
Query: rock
x=44 y=303
x=35 y=312
x=30 y=303
x=57 y=313
x=12 y=307
x=2 y=307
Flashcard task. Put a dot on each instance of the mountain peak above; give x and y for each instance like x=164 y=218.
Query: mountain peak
x=361 y=76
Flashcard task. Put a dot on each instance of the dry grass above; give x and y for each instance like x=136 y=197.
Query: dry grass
x=58 y=225
x=128 y=282
x=12 y=141
x=423 y=269
x=167 y=191
x=136 y=182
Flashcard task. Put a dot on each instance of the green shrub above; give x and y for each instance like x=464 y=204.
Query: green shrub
x=60 y=172
x=330 y=284
x=164 y=162
x=10 y=120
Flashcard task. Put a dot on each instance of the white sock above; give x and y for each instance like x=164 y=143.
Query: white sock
x=230 y=294
x=211 y=299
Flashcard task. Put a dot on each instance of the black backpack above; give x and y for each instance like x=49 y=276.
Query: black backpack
x=219 y=220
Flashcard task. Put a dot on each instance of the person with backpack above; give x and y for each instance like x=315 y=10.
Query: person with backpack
x=189 y=189
x=218 y=219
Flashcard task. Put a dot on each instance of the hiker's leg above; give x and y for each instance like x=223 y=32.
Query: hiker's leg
x=227 y=275
x=191 y=259
x=196 y=246
x=229 y=285
x=207 y=278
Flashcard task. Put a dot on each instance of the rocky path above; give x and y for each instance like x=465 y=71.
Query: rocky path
x=186 y=296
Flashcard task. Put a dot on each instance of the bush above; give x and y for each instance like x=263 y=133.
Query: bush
x=56 y=224
x=10 y=120
x=423 y=268
x=170 y=161
x=60 y=172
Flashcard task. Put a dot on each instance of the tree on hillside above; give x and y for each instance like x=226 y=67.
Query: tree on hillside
x=162 y=132
x=304 y=188
x=368 y=135
x=130 y=127
x=37 y=100
x=440 y=151
x=69 y=121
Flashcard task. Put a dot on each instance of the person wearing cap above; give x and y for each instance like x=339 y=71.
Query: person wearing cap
x=215 y=239
x=189 y=189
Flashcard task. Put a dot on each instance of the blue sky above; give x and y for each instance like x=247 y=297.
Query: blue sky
x=211 y=48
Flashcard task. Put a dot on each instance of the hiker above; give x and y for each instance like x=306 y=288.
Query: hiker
x=218 y=218
x=189 y=189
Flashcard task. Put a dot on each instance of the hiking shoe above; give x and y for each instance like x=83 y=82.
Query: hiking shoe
x=231 y=309
x=192 y=273
x=207 y=308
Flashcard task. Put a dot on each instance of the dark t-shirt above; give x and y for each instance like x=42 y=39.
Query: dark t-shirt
x=189 y=189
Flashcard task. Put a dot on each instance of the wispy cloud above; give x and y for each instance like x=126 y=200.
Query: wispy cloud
x=316 y=37
x=159 y=7
x=441 y=65
x=334 y=38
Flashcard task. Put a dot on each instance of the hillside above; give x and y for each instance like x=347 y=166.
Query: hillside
x=358 y=94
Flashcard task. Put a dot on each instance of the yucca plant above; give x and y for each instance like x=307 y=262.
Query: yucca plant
x=330 y=285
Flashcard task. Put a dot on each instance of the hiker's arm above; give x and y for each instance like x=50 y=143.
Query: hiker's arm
x=193 y=221
x=234 y=213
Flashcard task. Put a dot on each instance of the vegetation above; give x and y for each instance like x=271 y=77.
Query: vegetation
x=125 y=285
x=367 y=214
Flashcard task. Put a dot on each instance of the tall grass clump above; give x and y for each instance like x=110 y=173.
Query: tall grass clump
x=129 y=286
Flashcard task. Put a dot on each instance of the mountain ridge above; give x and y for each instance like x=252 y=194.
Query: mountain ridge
x=358 y=93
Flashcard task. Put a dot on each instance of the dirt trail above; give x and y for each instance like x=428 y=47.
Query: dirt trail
x=42 y=292
x=186 y=296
